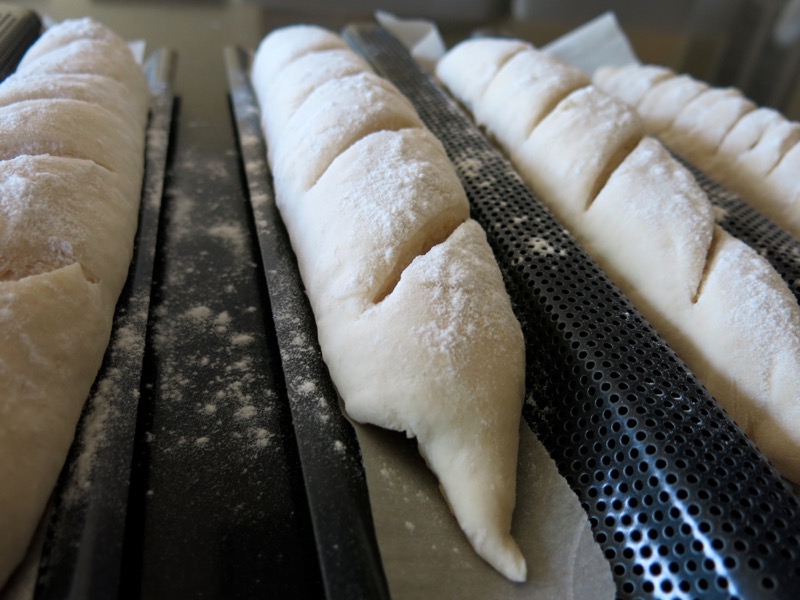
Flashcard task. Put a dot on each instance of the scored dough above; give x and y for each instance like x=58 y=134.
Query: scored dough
x=300 y=78
x=720 y=305
x=44 y=224
x=746 y=321
x=398 y=194
x=67 y=32
x=745 y=134
x=333 y=117
x=666 y=99
x=748 y=149
x=474 y=71
x=441 y=358
x=86 y=87
x=112 y=60
x=286 y=45
x=412 y=315
x=777 y=140
x=527 y=88
x=74 y=129
x=72 y=121
x=53 y=331
x=630 y=86
x=665 y=269
x=569 y=151
x=698 y=129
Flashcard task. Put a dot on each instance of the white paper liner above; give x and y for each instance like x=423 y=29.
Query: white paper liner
x=425 y=554
x=597 y=43
x=600 y=42
x=419 y=36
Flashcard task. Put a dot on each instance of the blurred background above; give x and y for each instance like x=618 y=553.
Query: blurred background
x=751 y=44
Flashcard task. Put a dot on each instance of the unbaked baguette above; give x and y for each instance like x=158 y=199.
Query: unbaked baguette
x=72 y=125
x=644 y=219
x=413 y=318
x=753 y=151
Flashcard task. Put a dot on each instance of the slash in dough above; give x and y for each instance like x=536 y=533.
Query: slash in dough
x=413 y=319
x=641 y=215
x=752 y=150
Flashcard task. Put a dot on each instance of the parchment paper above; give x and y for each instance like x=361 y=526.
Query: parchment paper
x=599 y=42
x=425 y=554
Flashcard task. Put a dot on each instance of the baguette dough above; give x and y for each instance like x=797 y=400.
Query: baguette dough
x=475 y=72
x=333 y=117
x=303 y=76
x=412 y=315
x=111 y=95
x=112 y=60
x=704 y=122
x=527 y=88
x=74 y=129
x=44 y=225
x=751 y=150
x=72 y=121
x=618 y=84
x=73 y=30
x=399 y=196
x=719 y=304
x=580 y=140
x=665 y=100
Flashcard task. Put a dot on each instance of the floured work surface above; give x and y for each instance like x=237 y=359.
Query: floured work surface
x=423 y=552
x=217 y=505
x=678 y=498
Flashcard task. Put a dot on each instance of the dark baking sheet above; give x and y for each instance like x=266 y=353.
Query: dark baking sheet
x=83 y=550
x=194 y=488
x=679 y=499
x=331 y=462
x=217 y=499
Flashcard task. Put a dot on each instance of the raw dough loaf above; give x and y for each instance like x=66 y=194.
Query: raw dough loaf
x=303 y=76
x=413 y=318
x=753 y=151
x=648 y=224
x=72 y=121
x=96 y=89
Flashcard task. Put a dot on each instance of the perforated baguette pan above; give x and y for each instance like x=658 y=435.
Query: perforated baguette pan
x=680 y=501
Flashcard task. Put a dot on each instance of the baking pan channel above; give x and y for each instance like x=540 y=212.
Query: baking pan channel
x=333 y=472
x=83 y=549
x=679 y=499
